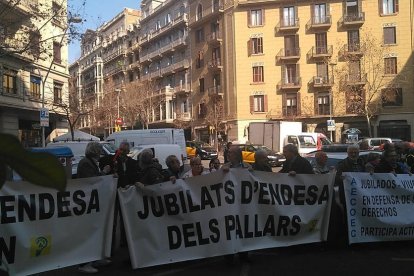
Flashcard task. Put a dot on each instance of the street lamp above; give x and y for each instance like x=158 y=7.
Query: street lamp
x=74 y=20
x=332 y=64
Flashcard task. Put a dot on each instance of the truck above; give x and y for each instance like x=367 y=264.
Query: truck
x=150 y=136
x=275 y=135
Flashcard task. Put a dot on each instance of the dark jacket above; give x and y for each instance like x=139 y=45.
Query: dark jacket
x=263 y=168
x=300 y=165
x=385 y=167
x=87 y=167
x=127 y=175
x=151 y=175
x=168 y=173
x=347 y=165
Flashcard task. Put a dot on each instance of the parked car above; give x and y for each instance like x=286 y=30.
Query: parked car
x=200 y=149
x=373 y=143
x=335 y=157
x=248 y=152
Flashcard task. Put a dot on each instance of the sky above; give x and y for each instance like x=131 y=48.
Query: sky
x=94 y=13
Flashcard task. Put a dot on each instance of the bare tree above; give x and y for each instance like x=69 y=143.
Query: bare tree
x=214 y=116
x=367 y=69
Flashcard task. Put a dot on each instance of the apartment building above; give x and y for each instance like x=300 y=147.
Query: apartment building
x=165 y=59
x=99 y=75
x=207 y=74
x=305 y=61
x=33 y=67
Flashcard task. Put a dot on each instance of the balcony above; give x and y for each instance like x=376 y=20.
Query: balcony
x=115 y=70
x=134 y=66
x=153 y=34
x=319 y=23
x=215 y=91
x=156 y=74
x=288 y=54
x=288 y=25
x=215 y=64
x=182 y=89
x=214 y=38
x=290 y=83
x=166 y=91
x=351 y=50
x=356 y=79
x=184 y=116
x=352 y=19
x=321 y=82
x=320 y=52
x=207 y=13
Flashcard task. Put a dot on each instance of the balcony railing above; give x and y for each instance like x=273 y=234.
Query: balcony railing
x=320 y=52
x=214 y=37
x=318 y=81
x=351 y=49
x=353 y=19
x=149 y=36
x=207 y=12
x=288 y=24
x=286 y=54
x=184 y=116
x=356 y=79
x=215 y=91
x=215 y=64
x=182 y=88
x=319 y=22
x=290 y=83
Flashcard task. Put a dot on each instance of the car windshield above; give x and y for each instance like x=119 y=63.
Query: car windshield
x=109 y=147
x=306 y=141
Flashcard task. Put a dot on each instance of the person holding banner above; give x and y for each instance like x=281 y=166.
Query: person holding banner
x=389 y=163
x=295 y=164
x=174 y=169
x=320 y=166
x=150 y=170
x=126 y=168
x=196 y=168
x=261 y=162
x=214 y=165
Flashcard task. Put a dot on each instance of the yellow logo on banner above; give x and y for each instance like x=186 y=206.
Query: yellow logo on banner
x=40 y=246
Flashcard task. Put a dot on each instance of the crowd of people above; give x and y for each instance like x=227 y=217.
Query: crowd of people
x=148 y=171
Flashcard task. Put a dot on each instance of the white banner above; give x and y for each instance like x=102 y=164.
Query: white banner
x=379 y=207
x=224 y=213
x=43 y=229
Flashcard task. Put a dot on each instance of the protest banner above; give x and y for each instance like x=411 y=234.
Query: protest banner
x=379 y=207
x=43 y=229
x=224 y=213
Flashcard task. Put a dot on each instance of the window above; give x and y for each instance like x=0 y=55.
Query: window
x=289 y=17
x=57 y=92
x=352 y=7
x=202 y=110
x=290 y=74
x=323 y=104
x=353 y=41
x=199 y=35
x=10 y=81
x=199 y=12
x=390 y=35
x=392 y=97
x=35 y=87
x=258 y=74
x=200 y=59
x=168 y=19
x=256 y=45
x=320 y=13
x=201 y=84
x=390 y=66
x=57 y=57
x=388 y=6
x=256 y=17
x=290 y=104
x=355 y=101
x=321 y=43
x=258 y=103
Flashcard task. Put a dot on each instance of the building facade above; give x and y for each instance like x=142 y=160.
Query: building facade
x=33 y=68
x=310 y=61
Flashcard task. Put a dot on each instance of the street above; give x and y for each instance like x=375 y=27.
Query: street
x=313 y=259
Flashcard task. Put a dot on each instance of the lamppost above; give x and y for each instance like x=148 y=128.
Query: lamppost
x=332 y=64
x=74 y=20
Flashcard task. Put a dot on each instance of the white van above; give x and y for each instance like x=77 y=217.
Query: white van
x=151 y=136
x=78 y=149
x=161 y=152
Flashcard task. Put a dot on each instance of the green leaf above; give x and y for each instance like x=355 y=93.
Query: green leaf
x=42 y=169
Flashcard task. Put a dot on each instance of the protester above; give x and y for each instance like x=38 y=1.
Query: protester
x=89 y=167
x=226 y=152
x=214 y=165
x=261 y=162
x=320 y=167
x=295 y=164
x=174 y=170
x=126 y=168
x=410 y=160
x=389 y=162
x=151 y=171
x=372 y=162
x=196 y=168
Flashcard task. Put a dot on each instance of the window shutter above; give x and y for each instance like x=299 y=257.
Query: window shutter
x=265 y=103
x=284 y=104
x=250 y=47
x=298 y=104
x=297 y=43
x=316 y=105
x=381 y=11
x=396 y=6
x=312 y=11
x=359 y=6
x=251 y=104
x=263 y=16
x=248 y=17
x=328 y=9
x=296 y=15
